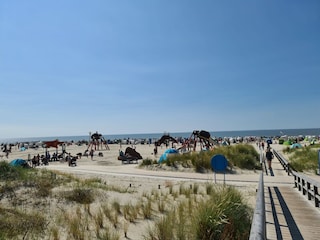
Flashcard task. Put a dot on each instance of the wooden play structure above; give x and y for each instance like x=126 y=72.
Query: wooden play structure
x=97 y=142
x=166 y=139
x=203 y=137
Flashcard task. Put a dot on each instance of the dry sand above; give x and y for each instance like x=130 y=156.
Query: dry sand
x=113 y=172
x=108 y=166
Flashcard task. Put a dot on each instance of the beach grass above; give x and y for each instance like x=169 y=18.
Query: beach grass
x=222 y=215
x=303 y=159
x=243 y=156
x=43 y=204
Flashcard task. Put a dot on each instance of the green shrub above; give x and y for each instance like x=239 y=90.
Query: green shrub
x=14 y=223
x=241 y=155
x=44 y=187
x=303 y=159
x=224 y=216
x=8 y=172
x=147 y=162
x=79 y=195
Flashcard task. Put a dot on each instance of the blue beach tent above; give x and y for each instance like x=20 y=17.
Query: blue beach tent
x=296 y=145
x=19 y=162
x=164 y=156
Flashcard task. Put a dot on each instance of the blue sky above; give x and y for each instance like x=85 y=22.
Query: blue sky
x=71 y=67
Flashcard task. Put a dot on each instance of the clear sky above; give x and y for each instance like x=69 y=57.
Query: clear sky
x=124 y=66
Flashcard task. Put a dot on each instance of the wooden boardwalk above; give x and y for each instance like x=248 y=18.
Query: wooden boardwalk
x=289 y=215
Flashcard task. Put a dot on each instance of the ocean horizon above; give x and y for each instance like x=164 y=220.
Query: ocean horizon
x=217 y=134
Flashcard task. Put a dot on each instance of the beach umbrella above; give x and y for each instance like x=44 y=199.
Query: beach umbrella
x=19 y=162
x=296 y=145
x=164 y=156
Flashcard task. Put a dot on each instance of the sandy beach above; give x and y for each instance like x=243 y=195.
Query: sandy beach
x=142 y=181
x=105 y=162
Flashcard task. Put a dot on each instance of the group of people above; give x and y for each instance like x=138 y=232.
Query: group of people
x=6 y=149
x=38 y=159
x=268 y=154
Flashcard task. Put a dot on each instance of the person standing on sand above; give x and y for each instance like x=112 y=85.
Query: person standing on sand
x=269 y=157
x=91 y=154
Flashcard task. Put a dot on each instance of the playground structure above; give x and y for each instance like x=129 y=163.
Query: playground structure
x=97 y=141
x=165 y=139
x=203 y=137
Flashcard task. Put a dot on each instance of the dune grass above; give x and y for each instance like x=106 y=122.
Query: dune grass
x=243 y=156
x=304 y=159
x=14 y=222
x=41 y=204
x=223 y=215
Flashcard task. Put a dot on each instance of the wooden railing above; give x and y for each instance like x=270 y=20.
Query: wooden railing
x=307 y=186
x=258 y=226
x=285 y=164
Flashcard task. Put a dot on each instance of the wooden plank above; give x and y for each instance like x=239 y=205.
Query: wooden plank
x=290 y=215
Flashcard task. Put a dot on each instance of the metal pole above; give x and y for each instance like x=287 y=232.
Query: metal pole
x=319 y=162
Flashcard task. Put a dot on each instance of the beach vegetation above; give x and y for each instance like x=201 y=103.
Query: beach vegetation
x=147 y=162
x=43 y=204
x=116 y=206
x=224 y=215
x=147 y=209
x=8 y=172
x=243 y=156
x=80 y=195
x=303 y=159
x=15 y=222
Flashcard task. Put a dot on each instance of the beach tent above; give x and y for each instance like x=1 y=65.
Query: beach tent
x=224 y=143
x=288 y=143
x=54 y=143
x=164 y=156
x=296 y=145
x=19 y=162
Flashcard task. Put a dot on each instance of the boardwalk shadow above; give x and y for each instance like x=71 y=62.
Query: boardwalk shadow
x=291 y=224
x=271 y=172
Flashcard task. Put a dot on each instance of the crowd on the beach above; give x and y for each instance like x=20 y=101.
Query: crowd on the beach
x=179 y=143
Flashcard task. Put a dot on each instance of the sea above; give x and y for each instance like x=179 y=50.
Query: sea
x=242 y=133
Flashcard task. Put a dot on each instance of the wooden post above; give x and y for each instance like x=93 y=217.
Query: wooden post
x=316 y=194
